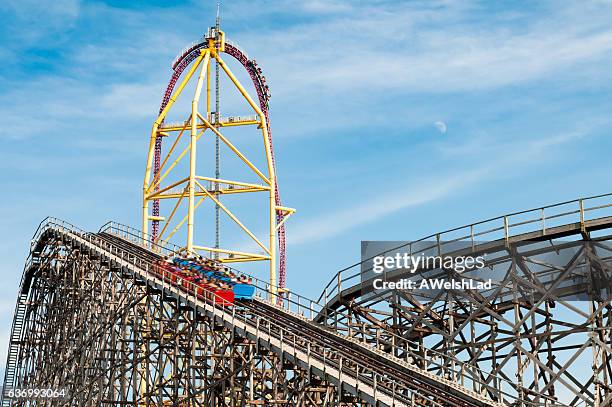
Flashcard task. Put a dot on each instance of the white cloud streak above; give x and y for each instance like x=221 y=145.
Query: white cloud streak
x=377 y=206
x=424 y=48
x=33 y=22
x=494 y=159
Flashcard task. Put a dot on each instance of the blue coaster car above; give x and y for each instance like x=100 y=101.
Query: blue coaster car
x=180 y=262
x=244 y=291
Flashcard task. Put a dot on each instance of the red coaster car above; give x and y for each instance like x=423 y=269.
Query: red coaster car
x=191 y=282
x=224 y=297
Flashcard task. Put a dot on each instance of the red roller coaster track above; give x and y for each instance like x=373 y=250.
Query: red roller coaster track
x=259 y=81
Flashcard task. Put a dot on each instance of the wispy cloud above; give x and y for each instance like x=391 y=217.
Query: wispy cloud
x=396 y=197
x=132 y=100
x=32 y=22
x=391 y=48
x=491 y=162
x=360 y=82
x=376 y=50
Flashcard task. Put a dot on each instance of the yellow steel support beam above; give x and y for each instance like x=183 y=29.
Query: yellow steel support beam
x=285 y=217
x=163 y=164
x=151 y=152
x=193 y=152
x=174 y=164
x=225 y=191
x=272 y=175
x=232 y=252
x=190 y=187
x=159 y=193
x=178 y=203
x=245 y=123
x=179 y=127
x=235 y=150
x=181 y=223
x=234 y=218
x=240 y=183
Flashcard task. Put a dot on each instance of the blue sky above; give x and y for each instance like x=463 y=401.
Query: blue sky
x=523 y=90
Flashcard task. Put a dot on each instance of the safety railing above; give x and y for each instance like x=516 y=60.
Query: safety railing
x=201 y=43
x=438 y=364
x=136 y=237
x=266 y=327
x=502 y=228
x=239 y=119
x=287 y=299
x=174 y=125
x=379 y=380
x=185 y=50
x=233 y=44
x=388 y=345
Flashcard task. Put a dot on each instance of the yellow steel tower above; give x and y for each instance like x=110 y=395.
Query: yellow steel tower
x=196 y=189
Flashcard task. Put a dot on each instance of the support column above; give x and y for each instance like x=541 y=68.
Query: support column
x=193 y=151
